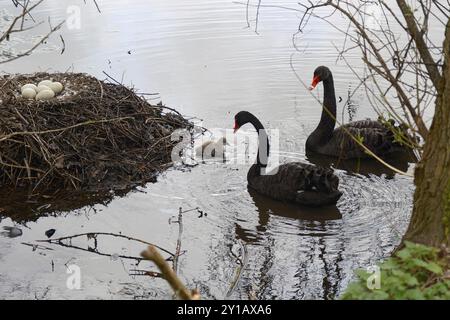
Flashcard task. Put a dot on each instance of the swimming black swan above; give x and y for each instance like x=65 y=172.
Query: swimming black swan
x=326 y=140
x=292 y=182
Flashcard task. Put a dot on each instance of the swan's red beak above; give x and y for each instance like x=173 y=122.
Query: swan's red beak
x=314 y=83
x=236 y=127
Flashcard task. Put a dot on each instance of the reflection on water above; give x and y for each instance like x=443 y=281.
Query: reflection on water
x=308 y=254
x=268 y=207
x=202 y=59
x=367 y=166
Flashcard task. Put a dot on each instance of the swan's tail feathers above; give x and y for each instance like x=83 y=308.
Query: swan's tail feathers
x=399 y=135
x=323 y=180
x=331 y=181
x=320 y=188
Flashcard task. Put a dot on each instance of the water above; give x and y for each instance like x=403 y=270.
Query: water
x=203 y=60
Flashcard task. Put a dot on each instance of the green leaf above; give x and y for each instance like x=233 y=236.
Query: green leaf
x=415 y=294
x=389 y=264
x=362 y=274
x=434 y=267
x=380 y=295
x=404 y=254
x=406 y=275
x=411 y=281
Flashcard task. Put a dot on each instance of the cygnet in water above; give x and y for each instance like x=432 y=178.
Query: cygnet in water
x=212 y=149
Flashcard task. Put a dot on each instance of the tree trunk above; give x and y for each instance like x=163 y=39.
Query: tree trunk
x=430 y=221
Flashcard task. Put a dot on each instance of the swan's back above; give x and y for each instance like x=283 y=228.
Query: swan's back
x=297 y=182
x=376 y=136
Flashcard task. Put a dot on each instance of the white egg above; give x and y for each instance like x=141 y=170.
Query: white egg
x=28 y=93
x=57 y=87
x=42 y=87
x=28 y=85
x=45 y=83
x=45 y=95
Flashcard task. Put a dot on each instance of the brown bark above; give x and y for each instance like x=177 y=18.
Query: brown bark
x=430 y=222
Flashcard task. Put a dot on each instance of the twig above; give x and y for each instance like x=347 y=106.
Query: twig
x=25 y=12
x=94 y=234
x=98 y=7
x=29 y=51
x=23 y=133
x=63 y=43
x=36 y=246
x=180 y=233
x=139 y=272
x=177 y=285
x=242 y=262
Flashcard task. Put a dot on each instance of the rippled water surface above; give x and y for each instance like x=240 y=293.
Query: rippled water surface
x=202 y=59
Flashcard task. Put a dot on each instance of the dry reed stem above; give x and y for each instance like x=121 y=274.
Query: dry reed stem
x=170 y=276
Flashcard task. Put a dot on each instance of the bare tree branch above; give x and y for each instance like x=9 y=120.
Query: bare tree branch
x=417 y=35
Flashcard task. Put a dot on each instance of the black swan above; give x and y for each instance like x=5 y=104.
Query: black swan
x=296 y=182
x=375 y=135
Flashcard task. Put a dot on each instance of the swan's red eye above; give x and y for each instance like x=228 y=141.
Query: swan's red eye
x=236 y=126
x=314 y=83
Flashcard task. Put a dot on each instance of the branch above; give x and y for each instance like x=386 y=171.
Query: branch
x=29 y=51
x=178 y=248
x=95 y=234
x=425 y=54
x=25 y=12
x=85 y=123
x=386 y=72
x=176 y=284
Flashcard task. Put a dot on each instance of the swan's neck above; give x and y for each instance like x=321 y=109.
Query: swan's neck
x=263 y=143
x=324 y=130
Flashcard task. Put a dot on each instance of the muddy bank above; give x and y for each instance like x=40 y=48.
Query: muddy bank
x=94 y=137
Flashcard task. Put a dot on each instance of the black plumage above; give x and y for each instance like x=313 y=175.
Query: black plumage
x=375 y=135
x=296 y=182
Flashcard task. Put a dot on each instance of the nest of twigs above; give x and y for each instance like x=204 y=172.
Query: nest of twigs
x=96 y=135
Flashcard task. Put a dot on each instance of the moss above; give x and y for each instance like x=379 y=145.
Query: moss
x=446 y=219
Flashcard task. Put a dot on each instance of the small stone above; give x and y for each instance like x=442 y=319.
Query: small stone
x=50 y=232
